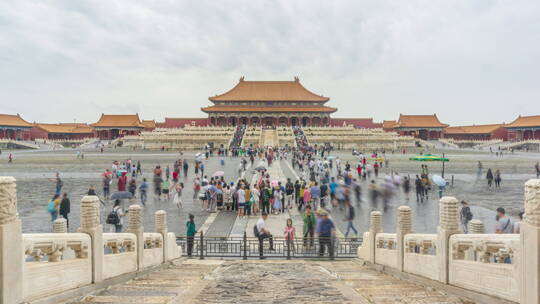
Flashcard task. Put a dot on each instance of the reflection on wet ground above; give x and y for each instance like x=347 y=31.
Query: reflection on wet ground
x=35 y=183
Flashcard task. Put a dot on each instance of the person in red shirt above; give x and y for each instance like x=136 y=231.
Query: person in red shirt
x=175 y=175
x=376 y=169
x=122 y=182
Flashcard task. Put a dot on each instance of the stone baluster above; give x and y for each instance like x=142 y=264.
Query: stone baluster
x=476 y=227
x=374 y=228
x=60 y=225
x=160 y=220
x=135 y=226
x=91 y=225
x=11 y=261
x=448 y=225
x=404 y=227
x=529 y=263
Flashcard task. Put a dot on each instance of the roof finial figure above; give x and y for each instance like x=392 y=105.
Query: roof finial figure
x=241 y=78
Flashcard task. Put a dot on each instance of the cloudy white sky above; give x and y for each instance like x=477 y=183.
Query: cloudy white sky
x=469 y=61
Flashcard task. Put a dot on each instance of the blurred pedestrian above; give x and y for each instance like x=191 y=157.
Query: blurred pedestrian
x=504 y=224
x=65 y=208
x=190 y=234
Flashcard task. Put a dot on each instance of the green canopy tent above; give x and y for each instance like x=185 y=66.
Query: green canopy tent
x=431 y=157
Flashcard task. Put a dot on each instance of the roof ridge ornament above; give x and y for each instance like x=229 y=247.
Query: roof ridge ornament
x=241 y=78
x=296 y=79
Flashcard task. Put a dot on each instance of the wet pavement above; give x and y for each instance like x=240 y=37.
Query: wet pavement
x=34 y=171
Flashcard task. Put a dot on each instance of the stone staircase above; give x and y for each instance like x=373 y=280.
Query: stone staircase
x=269 y=137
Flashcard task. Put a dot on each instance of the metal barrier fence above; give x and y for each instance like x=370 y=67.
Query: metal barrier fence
x=252 y=247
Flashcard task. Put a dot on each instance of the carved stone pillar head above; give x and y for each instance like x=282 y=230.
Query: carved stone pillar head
x=8 y=200
x=476 y=226
x=60 y=225
x=448 y=213
x=160 y=218
x=376 y=221
x=404 y=219
x=89 y=212
x=532 y=202
x=135 y=218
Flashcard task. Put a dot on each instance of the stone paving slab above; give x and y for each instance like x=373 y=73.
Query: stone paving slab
x=270 y=281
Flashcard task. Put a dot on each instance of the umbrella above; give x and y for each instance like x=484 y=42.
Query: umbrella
x=274 y=182
x=106 y=173
x=260 y=168
x=438 y=180
x=218 y=173
x=121 y=195
x=331 y=157
x=429 y=157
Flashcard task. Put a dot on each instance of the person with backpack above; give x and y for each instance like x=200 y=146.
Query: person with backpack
x=52 y=207
x=116 y=217
x=504 y=224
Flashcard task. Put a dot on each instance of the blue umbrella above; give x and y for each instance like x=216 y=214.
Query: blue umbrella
x=439 y=180
x=121 y=195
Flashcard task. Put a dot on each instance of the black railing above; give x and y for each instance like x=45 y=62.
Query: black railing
x=252 y=247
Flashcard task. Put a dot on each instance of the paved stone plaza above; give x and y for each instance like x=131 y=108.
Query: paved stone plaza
x=34 y=171
x=266 y=282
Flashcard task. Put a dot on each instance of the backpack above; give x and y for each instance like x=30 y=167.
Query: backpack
x=468 y=214
x=51 y=207
x=113 y=218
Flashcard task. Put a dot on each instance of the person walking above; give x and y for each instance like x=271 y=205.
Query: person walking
x=116 y=217
x=178 y=188
x=489 y=177
x=308 y=228
x=465 y=215
x=289 y=234
x=58 y=184
x=537 y=168
x=289 y=191
x=504 y=224
x=65 y=208
x=349 y=217
x=143 y=191
x=107 y=179
x=52 y=207
x=497 y=179
x=262 y=233
x=190 y=234
x=419 y=187
x=325 y=230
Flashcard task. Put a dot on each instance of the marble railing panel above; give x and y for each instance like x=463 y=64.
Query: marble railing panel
x=385 y=249
x=55 y=263
x=486 y=263
x=120 y=254
x=420 y=255
x=153 y=249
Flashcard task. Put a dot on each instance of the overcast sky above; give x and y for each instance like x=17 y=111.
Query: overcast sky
x=470 y=61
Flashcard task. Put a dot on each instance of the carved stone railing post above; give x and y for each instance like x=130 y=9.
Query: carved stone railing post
x=476 y=227
x=529 y=262
x=11 y=248
x=160 y=218
x=60 y=225
x=448 y=225
x=135 y=226
x=374 y=228
x=404 y=227
x=90 y=224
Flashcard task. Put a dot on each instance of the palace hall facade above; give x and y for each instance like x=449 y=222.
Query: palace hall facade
x=269 y=103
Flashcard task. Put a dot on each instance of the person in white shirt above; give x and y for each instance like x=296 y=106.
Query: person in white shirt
x=241 y=194
x=262 y=233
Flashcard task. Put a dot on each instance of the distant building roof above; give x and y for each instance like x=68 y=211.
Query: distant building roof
x=479 y=129
x=269 y=109
x=389 y=124
x=525 y=121
x=149 y=124
x=419 y=121
x=8 y=120
x=65 y=128
x=269 y=91
x=119 y=121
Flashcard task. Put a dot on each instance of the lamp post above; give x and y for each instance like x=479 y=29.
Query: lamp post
x=443 y=165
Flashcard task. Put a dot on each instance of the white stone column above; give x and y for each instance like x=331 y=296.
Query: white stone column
x=11 y=247
x=374 y=228
x=90 y=224
x=135 y=226
x=60 y=225
x=448 y=225
x=404 y=227
x=476 y=227
x=160 y=220
x=529 y=262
